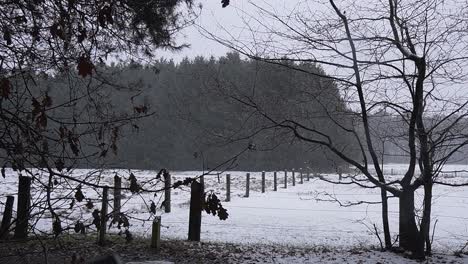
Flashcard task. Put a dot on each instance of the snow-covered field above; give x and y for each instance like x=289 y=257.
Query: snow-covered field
x=297 y=216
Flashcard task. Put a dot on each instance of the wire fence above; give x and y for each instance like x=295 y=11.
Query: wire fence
x=218 y=181
x=399 y=171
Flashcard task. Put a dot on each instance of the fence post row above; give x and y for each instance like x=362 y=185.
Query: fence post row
x=247 y=185
x=285 y=179
x=117 y=195
x=167 y=192
x=293 y=177
x=196 y=196
x=202 y=181
x=263 y=182
x=22 y=214
x=156 y=233
x=103 y=224
x=228 y=187
x=275 y=182
x=7 y=215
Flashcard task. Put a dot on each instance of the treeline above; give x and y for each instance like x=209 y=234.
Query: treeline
x=208 y=111
x=391 y=135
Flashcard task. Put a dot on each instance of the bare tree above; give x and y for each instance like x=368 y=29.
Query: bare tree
x=406 y=58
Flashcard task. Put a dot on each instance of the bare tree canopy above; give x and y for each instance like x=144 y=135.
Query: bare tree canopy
x=394 y=59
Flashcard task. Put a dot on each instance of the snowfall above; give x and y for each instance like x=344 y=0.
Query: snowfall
x=307 y=215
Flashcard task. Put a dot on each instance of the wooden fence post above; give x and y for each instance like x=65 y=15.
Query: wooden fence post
x=247 y=185
x=156 y=233
x=308 y=176
x=196 y=196
x=275 y=182
x=103 y=224
x=228 y=187
x=7 y=215
x=263 y=182
x=285 y=179
x=167 y=192
x=22 y=214
x=293 y=177
x=117 y=195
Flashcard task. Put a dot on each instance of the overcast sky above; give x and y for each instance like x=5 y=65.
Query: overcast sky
x=212 y=15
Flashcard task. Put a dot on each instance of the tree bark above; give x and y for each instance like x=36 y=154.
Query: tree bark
x=410 y=238
x=426 y=220
x=386 y=227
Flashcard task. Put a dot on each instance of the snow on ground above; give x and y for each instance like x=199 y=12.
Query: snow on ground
x=295 y=216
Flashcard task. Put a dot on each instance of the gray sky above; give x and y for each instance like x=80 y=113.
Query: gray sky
x=212 y=15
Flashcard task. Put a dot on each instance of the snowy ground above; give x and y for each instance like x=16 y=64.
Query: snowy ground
x=296 y=216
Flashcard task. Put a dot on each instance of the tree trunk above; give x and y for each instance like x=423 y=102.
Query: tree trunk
x=426 y=220
x=410 y=238
x=386 y=228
